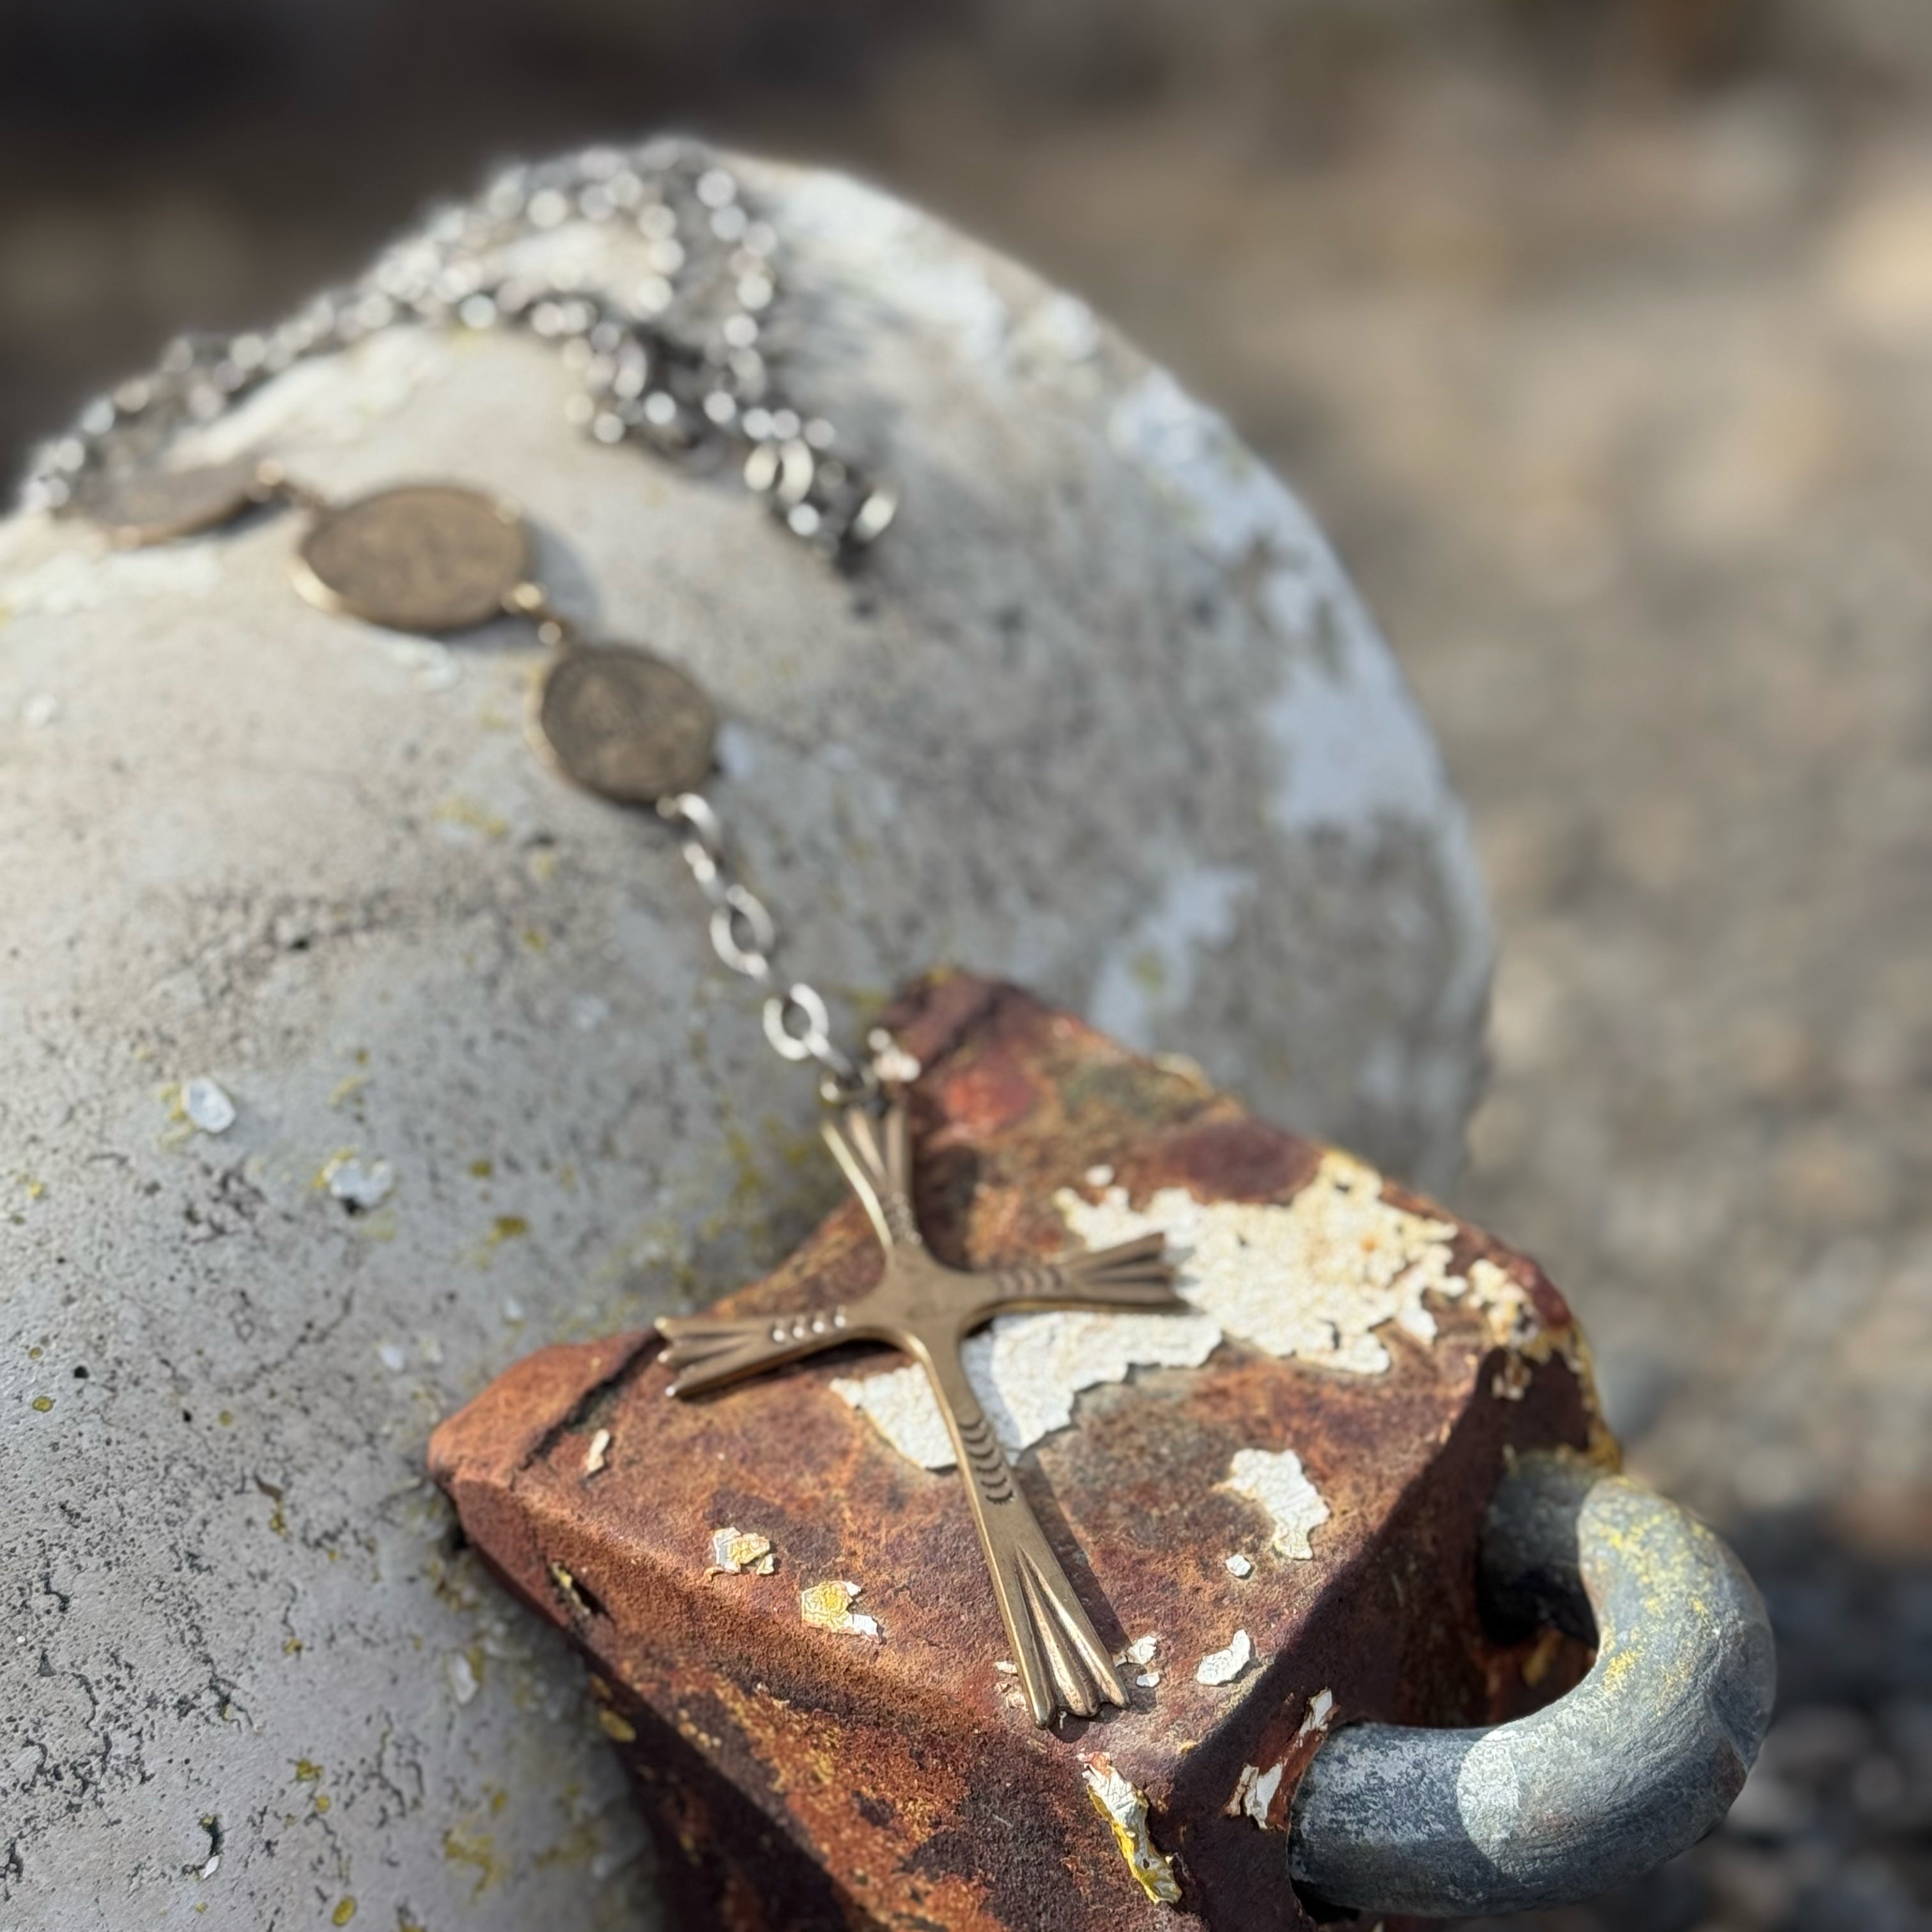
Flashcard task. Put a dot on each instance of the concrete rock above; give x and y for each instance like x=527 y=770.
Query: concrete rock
x=1101 y=715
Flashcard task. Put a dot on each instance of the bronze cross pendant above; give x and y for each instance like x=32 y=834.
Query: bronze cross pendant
x=928 y=1309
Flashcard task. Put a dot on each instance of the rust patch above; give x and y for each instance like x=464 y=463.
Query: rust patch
x=796 y=1778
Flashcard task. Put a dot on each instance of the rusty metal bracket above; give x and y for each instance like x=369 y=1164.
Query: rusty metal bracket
x=1640 y=1760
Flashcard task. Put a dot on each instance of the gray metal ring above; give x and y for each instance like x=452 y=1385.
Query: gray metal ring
x=1640 y=1760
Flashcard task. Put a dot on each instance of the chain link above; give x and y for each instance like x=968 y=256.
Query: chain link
x=745 y=937
x=680 y=360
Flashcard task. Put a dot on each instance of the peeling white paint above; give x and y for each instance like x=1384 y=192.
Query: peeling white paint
x=1321 y=1709
x=735 y=1551
x=1223 y=1667
x=1125 y=1809
x=1027 y=1370
x=1276 y=1480
x=828 y=1606
x=1238 y=1565
x=1149 y=976
x=1313 y=1278
x=1254 y=1791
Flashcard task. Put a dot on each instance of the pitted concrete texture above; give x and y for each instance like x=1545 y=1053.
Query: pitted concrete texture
x=1101 y=715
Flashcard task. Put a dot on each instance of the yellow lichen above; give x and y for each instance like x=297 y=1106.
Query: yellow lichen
x=474 y=1848
x=458 y=810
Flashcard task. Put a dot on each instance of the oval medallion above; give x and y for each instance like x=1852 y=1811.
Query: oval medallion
x=152 y=506
x=623 y=723
x=426 y=557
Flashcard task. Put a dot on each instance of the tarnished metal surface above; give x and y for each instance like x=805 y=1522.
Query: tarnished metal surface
x=803 y=1776
x=1634 y=1765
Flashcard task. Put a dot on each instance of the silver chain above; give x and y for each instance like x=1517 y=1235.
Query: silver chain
x=745 y=937
x=681 y=361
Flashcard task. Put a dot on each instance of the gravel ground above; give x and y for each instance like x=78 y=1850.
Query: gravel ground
x=1620 y=407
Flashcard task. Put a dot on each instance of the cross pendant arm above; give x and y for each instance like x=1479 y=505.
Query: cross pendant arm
x=706 y=1351
x=1136 y=1274
x=874 y=1153
x=1062 y=1664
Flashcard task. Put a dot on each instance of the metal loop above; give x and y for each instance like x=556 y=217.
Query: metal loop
x=1638 y=1762
x=745 y=937
x=813 y=1041
x=691 y=814
x=742 y=933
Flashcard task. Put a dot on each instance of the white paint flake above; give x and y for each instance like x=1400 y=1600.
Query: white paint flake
x=735 y=1551
x=1223 y=1667
x=828 y=1606
x=1275 y=1479
x=207 y=1105
x=598 y=1455
x=1238 y=1565
x=1125 y=1809
x=1321 y=1709
x=1254 y=1792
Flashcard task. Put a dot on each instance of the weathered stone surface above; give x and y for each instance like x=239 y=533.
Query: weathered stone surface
x=1103 y=715
x=896 y=1779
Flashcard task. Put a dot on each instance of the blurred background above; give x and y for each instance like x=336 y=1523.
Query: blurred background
x=1598 y=333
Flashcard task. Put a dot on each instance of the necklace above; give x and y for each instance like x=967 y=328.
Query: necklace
x=636 y=729
x=686 y=360
x=627 y=724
